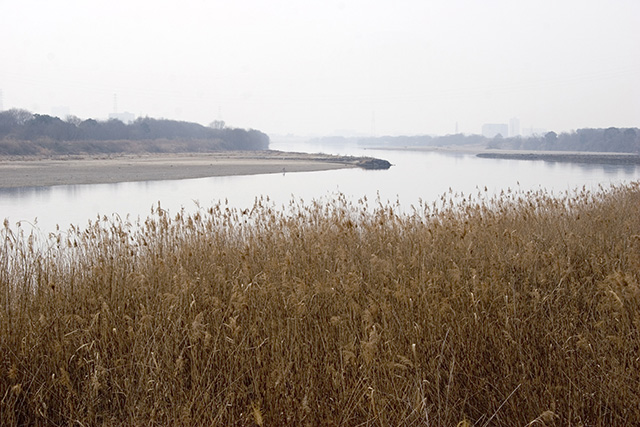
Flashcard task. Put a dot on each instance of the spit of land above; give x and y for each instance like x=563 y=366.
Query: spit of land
x=34 y=172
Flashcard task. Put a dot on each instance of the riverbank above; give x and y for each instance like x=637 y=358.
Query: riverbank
x=42 y=172
x=549 y=156
x=567 y=157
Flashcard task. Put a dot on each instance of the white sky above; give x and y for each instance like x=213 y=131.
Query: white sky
x=321 y=66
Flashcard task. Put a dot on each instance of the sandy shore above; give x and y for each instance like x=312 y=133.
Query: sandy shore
x=96 y=170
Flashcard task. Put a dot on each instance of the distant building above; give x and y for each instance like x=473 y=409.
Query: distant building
x=125 y=117
x=514 y=127
x=491 y=130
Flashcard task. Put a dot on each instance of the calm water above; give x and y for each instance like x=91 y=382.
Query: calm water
x=415 y=176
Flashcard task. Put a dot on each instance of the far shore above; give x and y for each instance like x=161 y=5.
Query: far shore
x=566 y=157
x=41 y=172
x=549 y=156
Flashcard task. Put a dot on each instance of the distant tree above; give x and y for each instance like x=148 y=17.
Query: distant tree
x=6 y=123
x=115 y=129
x=20 y=116
x=551 y=136
x=217 y=124
x=631 y=141
x=74 y=120
x=630 y=133
x=43 y=126
x=88 y=124
x=259 y=140
x=611 y=134
x=550 y=140
x=11 y=120
x=57 y=134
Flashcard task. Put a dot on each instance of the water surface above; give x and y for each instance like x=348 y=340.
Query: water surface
x=415 y=177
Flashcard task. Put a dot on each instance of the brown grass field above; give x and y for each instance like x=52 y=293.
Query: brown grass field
x=516 y=310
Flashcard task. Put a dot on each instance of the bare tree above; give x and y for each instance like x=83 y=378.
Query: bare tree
x=217 y=124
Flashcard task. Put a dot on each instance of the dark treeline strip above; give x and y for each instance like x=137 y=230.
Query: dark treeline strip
x=610 y=140
x=614 y=140
x=24 y=133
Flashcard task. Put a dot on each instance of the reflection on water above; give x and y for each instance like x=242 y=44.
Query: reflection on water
x=415 y=176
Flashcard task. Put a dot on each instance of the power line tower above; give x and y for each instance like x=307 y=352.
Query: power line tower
x=1 y=105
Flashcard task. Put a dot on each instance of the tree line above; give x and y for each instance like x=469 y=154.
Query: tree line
x=614 y=140
x=23 y=132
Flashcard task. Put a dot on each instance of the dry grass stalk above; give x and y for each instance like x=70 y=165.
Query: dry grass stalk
x=491 y=311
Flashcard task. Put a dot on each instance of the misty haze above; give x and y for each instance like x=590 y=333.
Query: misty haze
x=320 y=213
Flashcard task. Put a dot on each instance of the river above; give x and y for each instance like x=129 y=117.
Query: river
x=414 y=177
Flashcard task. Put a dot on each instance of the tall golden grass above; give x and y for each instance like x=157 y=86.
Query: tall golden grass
x=519 y=309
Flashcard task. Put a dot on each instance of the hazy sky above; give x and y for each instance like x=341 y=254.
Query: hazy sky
x=317 y=67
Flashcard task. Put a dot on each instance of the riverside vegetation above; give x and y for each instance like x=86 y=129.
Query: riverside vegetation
x=23 y=133
x=519 y=309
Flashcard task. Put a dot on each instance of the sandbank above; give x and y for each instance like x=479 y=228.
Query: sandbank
x=40 y=172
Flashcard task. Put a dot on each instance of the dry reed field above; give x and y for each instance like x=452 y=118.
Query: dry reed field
x=520 y=309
